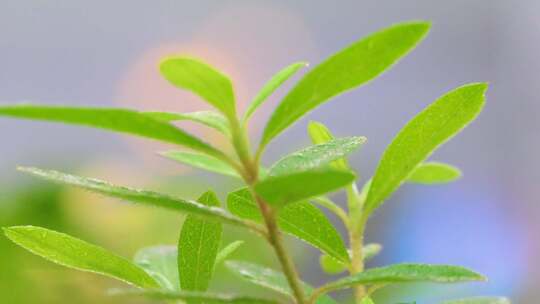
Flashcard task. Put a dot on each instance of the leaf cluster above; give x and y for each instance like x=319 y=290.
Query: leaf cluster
x=285 y=197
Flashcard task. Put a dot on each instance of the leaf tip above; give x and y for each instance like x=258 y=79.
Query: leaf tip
x=479 y=86
x=22 y=168
x=10 y=231
x=361 y=139
x=6 y=230
x=164 y=62
x=482 y=278
x=165 y=153
x=422 y=25
x=27 y=170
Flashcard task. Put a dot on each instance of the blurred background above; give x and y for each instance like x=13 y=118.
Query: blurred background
x=105 y=53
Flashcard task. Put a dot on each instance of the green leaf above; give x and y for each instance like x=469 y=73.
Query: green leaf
x=201 y=161
x=190 y=296
x=367 y=300
x=480 y=300
x=421 y=136
x=434 y=173
x=279 y=191
x=275 y=82
x=226 y=252
x=201 y=79
x=428 y=173
x=320 y=134
x=198 y=247
x=141 y=196
x=119 y=120
x=160 y=262
x=301 y=219
x=68 y=251
x=332 y=266
x=402 y=273
x=351 y=67
x=316 y=156
x=208 y=118
x=270 y=279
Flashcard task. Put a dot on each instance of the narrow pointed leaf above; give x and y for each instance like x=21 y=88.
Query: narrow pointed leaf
x=275 y=82
x=227 y=251
x=141 y=196
x=402 y=273
x=270 y=279
x=160 y=262
x=118 y=120
x=320 y=134
x=301 y=219
x=208 y=118
x=351 y=67
x=198 y=247
x=434 y=173
x=190 y=296
x=74 y=253
x=201 y=79
x=201 y=161
x=421 y=136
x=480 y=300
x=316 y=156
x=279 y=191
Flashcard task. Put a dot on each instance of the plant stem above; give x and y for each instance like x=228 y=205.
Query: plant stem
x=356 y=237
x=251 y=174
x=330 y=205
x=241 y=145
x=274 y=238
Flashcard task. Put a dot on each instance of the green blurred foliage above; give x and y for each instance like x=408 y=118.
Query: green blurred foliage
x=110 y=223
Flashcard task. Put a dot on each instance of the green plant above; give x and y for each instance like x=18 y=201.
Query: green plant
x=276 y=200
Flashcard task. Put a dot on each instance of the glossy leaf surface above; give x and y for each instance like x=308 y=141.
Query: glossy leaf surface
x=301 y=219
x=138 y=196
x=201 y=79
x=198 y=248
x=401 y=273
x=118 y=120
x=349 y=68
x=320 y=134
x=316 y=156
x=279 y=191
x=421 y=136
x=74 y=253
x=273 y=84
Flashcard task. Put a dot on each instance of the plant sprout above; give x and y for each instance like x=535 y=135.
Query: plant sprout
x=284 y=198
